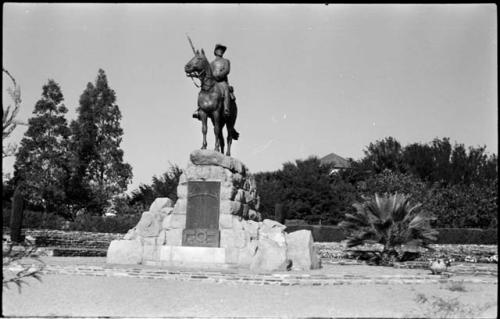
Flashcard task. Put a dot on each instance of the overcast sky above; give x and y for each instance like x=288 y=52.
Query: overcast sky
x=309 y=79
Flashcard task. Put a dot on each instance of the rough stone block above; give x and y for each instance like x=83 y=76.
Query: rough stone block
x=149 y=241
x=249 y=196
x=166 y=222
x=245 y=210
x=205 y=172
x=226 y=221
x=182 y=179
x=174 y=237
x=150 y=252
x=206 y=157
x=162 y=238
x=226 y=238
x=182 y=191
x=247 y=253
x=269 y=223
x=230 y=207
x=165 y=253
x=177 y=221
x=205 y=255
x=275 y=235
x=301 y=251
x=269 y=257
x=251 y=227
x=232 y=255
x=149 y=225
x=131 y=234
x=233 y=238
x=253 y=215
x=124 y=252
x=180 y=207
x=240 y=196
x=235 y=179
x=227 y=193
x=160 y=204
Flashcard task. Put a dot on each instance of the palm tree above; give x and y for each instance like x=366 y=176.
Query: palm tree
x=390 y=220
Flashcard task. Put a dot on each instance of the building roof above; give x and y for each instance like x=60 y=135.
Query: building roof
x=335 y=160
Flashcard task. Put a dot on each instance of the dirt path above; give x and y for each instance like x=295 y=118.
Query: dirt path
x=72 y=295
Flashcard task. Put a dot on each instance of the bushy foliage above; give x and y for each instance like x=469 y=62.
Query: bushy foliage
x=100 y=224
x=164 y=185
x=390 y=220
x=465 y=206
x=394 y=182
x=308 y=190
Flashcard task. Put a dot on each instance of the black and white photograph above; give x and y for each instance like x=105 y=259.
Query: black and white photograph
x=249 y=160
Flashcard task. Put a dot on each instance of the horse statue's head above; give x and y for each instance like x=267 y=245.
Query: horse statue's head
x=198 y=65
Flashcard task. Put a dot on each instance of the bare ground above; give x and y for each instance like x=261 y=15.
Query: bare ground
x=73 y=295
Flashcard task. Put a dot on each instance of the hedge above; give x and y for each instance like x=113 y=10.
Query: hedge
x=467 y=236
x=471 y=236
x=115 y=224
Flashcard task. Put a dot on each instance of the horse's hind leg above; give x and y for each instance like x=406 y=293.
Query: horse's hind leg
x=217 y=129
x=221 y=135
x=231 y=132
x=203 y=118
x=221 y=139
x=229 y=140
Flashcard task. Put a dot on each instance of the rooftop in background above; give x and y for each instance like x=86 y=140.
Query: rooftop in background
x=337 y=161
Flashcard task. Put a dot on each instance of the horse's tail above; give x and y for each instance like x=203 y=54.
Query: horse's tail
x=234 y=134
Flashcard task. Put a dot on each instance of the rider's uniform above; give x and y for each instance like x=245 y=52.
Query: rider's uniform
x=220 y=69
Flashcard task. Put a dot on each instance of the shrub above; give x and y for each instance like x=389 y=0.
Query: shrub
x=321 y=233
x=467 y=236
x=114 y=224
x=390 y=220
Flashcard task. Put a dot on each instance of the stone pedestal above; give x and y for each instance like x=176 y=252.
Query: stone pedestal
x=214 y=223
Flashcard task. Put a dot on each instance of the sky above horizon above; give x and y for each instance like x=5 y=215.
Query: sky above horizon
x=309 y=79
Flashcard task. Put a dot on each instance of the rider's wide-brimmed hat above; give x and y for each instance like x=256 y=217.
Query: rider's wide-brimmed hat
x=220 y=47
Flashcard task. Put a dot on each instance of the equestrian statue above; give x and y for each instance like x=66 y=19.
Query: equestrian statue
x=215 y=99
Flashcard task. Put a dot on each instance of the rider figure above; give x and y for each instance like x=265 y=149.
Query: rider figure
x=220 y=69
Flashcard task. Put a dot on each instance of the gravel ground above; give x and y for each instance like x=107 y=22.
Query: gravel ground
x=70 y=296
x=75 y=295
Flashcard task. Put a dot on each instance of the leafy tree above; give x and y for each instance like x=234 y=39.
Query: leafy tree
x=474 y=166
x=99 y=172
x=384 y=154
x=271 y=192
x=41 y=162
x=418 y=160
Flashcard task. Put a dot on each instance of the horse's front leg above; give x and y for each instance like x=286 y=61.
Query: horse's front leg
x=203 y=118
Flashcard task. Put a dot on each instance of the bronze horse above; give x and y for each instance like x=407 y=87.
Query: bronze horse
x=211 y=103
